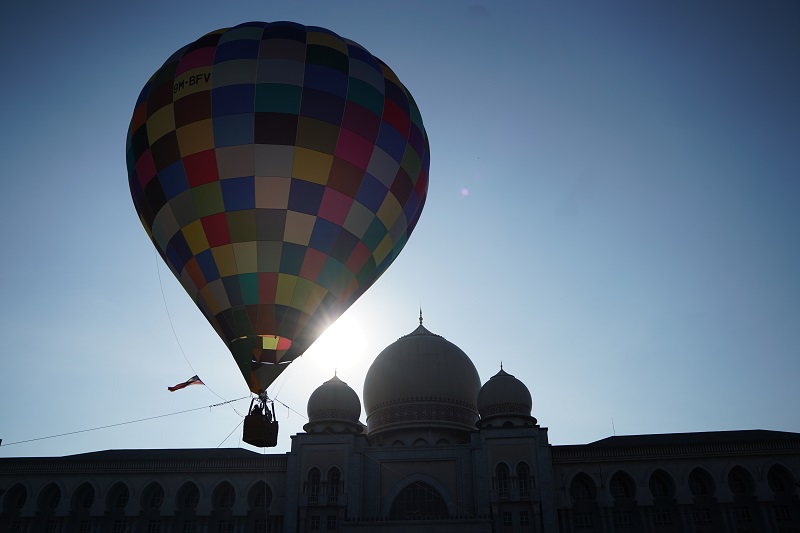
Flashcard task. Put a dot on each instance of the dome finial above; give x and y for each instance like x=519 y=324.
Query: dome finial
x=420 y=315
x=501 y=365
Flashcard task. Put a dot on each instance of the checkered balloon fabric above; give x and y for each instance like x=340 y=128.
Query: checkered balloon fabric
x=279 y=170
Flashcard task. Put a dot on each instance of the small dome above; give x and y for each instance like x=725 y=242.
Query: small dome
x=421 y=381
x=504 y=396
x=333 y=405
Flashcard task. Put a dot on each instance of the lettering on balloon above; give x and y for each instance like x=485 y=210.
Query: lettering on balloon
x=193 y=81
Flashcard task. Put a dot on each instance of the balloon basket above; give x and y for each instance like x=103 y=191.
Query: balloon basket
x=260 y=432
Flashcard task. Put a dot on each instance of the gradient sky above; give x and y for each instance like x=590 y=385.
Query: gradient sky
x=613 y=213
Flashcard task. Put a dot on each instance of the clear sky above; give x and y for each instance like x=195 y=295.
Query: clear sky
x=613 y=213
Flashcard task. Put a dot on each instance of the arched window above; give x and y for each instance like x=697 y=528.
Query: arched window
x=260 y=496
x=780 y=480
x=582 y=489
x=188 y=497
x=746 y=513
x=418 y=501
x=664 y=506
x=224 y=496
x=702 y=488
x=15 y=499
x=151 y=501
x=621 y=487
x=222 y=499
x=782 y=484
x=83 y=498
x=334 y=482
x=259 y=500
x=314 y=485
x=49 y=498
x=583 y=492
x=153 y=496
x=623 y=490
x=47 y=505
x=186 y=500
x=116 y=502
x=13 y=502
x=661 y=485
x=118 y=497
x=524 y=481
x=740 y=482
x=700 y=483
x=501 y=480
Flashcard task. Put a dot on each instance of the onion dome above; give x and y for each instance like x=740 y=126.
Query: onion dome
x=333 y=407
x=505 y=401
x=421 y=381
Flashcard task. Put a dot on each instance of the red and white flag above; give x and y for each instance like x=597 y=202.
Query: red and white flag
x=194 y=380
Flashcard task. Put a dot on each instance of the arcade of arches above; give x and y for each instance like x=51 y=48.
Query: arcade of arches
x=439 y=452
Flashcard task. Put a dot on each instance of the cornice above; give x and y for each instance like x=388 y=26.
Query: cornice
x=60 y=465
x=578 y=453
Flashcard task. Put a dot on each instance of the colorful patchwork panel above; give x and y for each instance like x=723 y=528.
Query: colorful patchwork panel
x=279 y=169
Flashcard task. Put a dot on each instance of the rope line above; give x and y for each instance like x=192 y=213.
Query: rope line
x=175 y=333
x=231 y=433
x=124 y=423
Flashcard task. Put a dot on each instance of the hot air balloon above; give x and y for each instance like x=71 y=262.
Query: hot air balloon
x=279 y=170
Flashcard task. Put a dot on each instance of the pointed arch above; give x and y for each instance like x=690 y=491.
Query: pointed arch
x=665 y=507
x=418 y=501
x=334 y=477
x=583 y=489
x=622 y=487
x=740 y=481
x=314 y=485
x=525 y=481
x=49 y=498
x=419 y=477
x=188 y=496
x=150 y=501
x=661 y=484
x=780 y=479
x=83 y=498
x=746 y=511
x=118 y=497
x=223 y=497
x=152 y=496
x=783 y=486
x=13 y=503
x=701 y=484
x=259 y=503
x=502 y=480
x=259 y=496
x=15 y=500
x=624 y=514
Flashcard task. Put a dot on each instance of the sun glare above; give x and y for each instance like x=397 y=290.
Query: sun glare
x=340 y=347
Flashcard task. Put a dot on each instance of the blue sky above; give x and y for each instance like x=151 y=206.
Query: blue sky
x=613 y=213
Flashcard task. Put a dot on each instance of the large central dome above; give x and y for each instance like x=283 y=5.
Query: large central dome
x=421 y=381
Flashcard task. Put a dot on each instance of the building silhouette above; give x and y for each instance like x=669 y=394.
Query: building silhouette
x=440 y=452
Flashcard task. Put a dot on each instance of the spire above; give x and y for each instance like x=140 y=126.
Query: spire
x=420 y=315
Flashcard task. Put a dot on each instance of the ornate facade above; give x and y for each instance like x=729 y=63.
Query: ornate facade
x=439 y=453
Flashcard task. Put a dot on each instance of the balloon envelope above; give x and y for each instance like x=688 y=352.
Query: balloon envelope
x=279 y=170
